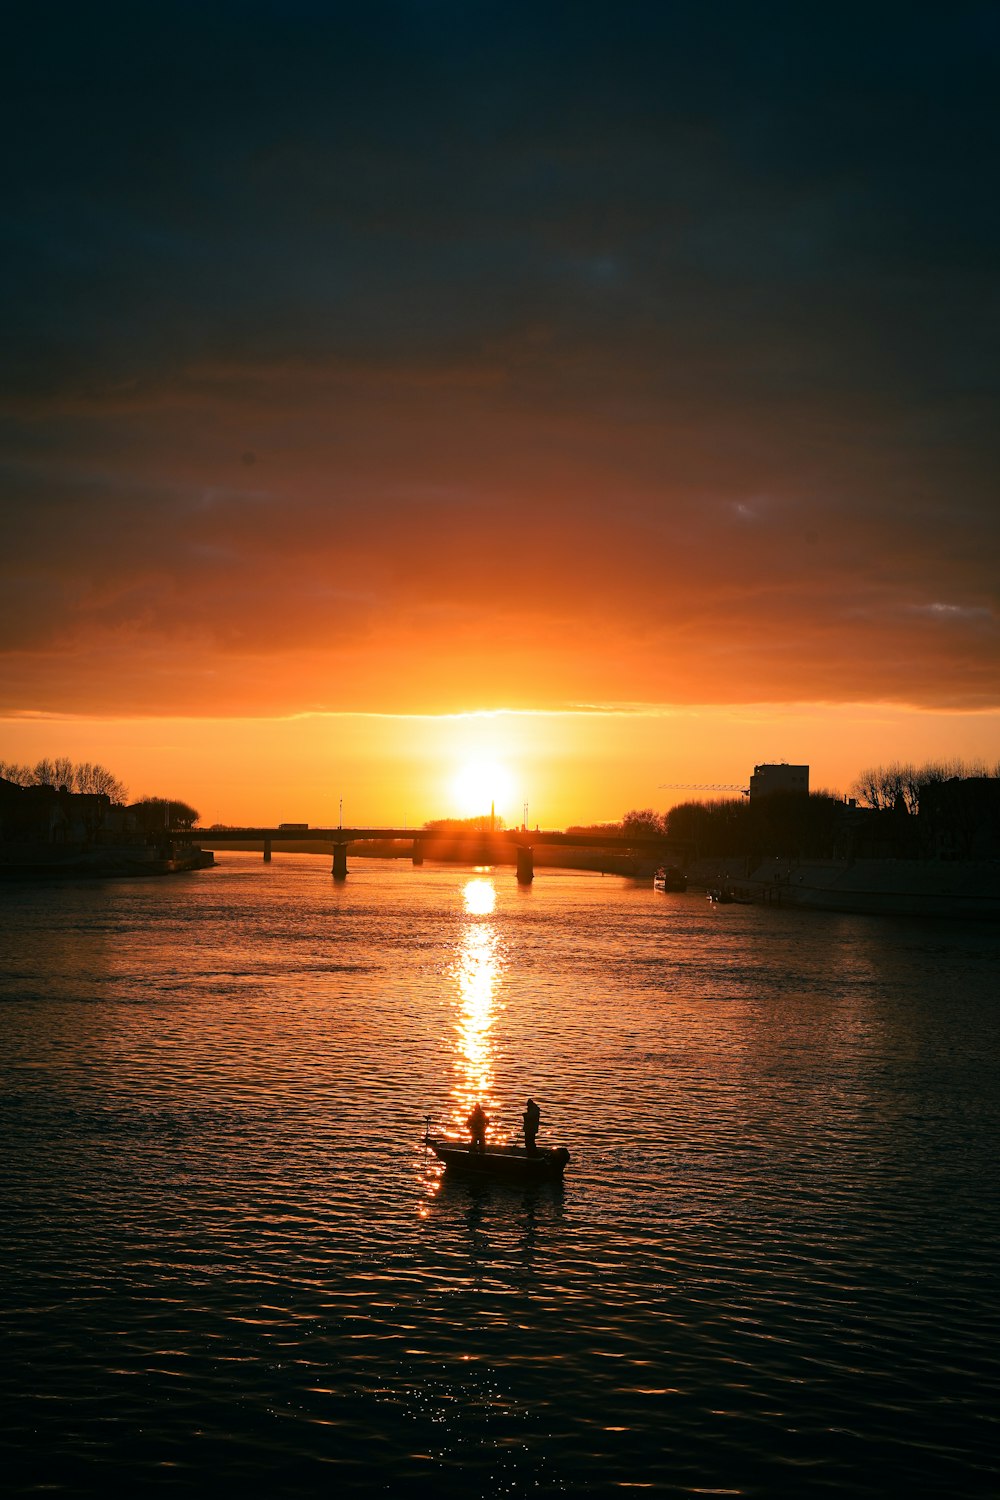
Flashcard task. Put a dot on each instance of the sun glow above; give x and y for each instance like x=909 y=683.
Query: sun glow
x=480 y=897
x=481 y=785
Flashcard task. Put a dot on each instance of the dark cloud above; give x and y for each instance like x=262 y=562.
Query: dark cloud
x=541 y=314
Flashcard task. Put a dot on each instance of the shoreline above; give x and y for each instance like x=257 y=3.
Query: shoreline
x=29 y=862
x=877 y=887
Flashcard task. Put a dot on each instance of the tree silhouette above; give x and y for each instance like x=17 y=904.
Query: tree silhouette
x=96 y=780
x=154 y=814
x=20 y=775
x=642 y=823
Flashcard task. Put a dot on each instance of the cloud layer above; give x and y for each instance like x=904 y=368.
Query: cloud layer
x=429 y=356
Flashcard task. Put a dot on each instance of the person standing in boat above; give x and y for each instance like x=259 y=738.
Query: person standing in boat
x=531 y=1120
x=477 y=1122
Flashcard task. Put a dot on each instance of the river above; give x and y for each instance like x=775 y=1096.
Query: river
x=230 y=1266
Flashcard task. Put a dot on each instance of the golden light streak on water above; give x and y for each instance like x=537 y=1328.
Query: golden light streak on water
x=477 y=973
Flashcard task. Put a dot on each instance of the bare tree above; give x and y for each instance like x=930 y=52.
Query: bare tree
x=97 y=780
x=881 y=787
x=20 y=775
x=62 y=770
x=901 y=787
x=867 y=787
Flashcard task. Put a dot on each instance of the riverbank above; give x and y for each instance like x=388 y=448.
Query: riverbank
x=38 y=861
x=887 y=887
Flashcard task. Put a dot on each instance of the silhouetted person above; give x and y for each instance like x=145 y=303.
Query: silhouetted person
x=477 y=1123
x=531 y=1119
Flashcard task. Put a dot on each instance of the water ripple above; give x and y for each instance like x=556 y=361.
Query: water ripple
x=230 y=1263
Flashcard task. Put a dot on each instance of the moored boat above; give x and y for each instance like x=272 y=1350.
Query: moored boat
x=669 y=878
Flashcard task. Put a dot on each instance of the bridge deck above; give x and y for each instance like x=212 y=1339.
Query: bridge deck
x=517 y=837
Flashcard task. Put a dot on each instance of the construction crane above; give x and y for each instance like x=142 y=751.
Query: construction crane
x=691 y=786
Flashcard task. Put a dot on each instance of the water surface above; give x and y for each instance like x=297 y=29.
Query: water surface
x=230 y=1264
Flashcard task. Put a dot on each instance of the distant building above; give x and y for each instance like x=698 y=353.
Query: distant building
x=783 y=778
x=43 y=814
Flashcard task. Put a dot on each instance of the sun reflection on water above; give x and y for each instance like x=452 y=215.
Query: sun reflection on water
x=479 y=897
x=478 y=967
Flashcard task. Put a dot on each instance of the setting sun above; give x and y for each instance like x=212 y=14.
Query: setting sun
x=480 y=785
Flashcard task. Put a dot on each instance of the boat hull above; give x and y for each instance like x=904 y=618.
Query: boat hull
x=503 y=1163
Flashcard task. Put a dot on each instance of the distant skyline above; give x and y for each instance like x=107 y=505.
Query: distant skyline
x=574 y=767
x=629 y=369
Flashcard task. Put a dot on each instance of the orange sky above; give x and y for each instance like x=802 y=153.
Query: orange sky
x=399 y=771
x=639 y=379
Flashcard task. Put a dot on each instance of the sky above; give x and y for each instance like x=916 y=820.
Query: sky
x=601 y=394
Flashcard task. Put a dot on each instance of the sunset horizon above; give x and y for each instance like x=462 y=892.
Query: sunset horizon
x=500 y=749
x=543 y=372
x=570 y=767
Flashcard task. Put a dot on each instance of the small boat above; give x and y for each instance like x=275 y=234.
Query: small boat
x=669 y=878
x=501 y=1163
x=721 y=897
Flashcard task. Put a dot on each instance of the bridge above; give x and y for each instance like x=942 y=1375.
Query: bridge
x=483 y=846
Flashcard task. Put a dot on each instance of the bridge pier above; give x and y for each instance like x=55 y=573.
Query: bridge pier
x=340 y=861
x=267 y=851
x=418 y=851
x=525 y=864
